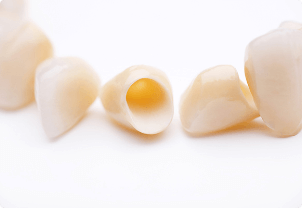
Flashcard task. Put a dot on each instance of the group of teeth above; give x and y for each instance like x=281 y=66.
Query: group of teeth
x=141 y=96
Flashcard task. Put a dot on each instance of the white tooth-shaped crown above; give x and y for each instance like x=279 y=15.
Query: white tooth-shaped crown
x=140 y=97
x=273 y=68
x=19 y=59
x=65 y=88
x=216 y=100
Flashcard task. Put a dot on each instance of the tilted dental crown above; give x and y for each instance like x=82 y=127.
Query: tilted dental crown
x=273 y=67
x=140 y=98
x=216 y=100
x=64 y=90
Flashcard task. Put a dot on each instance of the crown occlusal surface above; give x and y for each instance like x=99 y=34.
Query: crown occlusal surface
x=65 y=88
x=140 y=98
x=19 y=59
x=216 y=100
x=273 y=67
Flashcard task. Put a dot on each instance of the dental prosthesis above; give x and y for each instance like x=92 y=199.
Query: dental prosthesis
x=141 y=96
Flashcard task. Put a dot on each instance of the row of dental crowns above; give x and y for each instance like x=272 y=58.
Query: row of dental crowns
x=141 y=96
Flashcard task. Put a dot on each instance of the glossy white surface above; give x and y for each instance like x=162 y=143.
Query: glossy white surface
x=273 y=68
x=64 y=90
x=98 y=164
x=216 y=100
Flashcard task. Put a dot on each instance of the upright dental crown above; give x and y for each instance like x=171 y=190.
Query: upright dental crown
x=273 y=67
x=140 y=98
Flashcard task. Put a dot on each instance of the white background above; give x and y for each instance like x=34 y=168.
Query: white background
x=99 y=164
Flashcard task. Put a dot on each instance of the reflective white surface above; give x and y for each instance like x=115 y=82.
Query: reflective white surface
x=65 y=88
x=216 y=100
x=99 y=164
x=273 y=69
